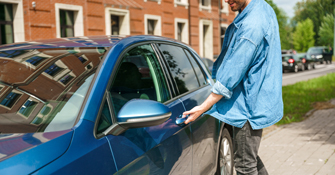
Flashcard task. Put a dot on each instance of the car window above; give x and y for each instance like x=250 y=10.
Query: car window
x=42 y=90
x=197 y=70
x=139 y=76
x=286 y=58
x=180 y=68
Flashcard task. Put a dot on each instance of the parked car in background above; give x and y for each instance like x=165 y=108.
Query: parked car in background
x=291 y=62
x=320 y=53
x=209 y=63
x=309 y=63
x=291 y=51
x=107 y=105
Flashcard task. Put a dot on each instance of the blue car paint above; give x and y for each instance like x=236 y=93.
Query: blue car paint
x=85 y=150
x=41 y=151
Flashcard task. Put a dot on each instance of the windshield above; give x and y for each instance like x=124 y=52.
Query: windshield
x=42 y=90
x=315 y=50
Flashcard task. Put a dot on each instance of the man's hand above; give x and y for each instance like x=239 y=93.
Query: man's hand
x=198 y=110
x=194 y=113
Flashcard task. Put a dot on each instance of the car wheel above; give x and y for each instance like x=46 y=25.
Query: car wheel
x=309 y=67
x=226 y=155
x=313 y=66
x=296 y=68
x=302 y=67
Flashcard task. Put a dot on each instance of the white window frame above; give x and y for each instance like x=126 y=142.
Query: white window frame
x=18 y=19
x=78 y=18
x=209 y=39
x=185 y=29
x=158 y=1
x=124 y=22
x=182 y=3
x=208 y=8
x=225 y=8
x=158 y=27
x=26 y=117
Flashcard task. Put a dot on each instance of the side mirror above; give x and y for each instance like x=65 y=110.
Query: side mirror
x=139 y=113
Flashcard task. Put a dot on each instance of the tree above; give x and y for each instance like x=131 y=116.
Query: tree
x=314 y=10
x=284 y=28
x=303 y=37
x=326 y=31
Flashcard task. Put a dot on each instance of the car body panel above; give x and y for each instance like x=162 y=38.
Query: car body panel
x=85 y=155
x=24 y=151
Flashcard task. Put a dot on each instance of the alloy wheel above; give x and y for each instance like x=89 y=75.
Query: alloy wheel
x=226 y=158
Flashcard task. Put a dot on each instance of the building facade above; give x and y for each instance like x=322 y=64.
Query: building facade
x=199 y=23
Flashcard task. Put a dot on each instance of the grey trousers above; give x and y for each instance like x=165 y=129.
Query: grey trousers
x=246 y=144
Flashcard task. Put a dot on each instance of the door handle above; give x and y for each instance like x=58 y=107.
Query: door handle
x=181 y=121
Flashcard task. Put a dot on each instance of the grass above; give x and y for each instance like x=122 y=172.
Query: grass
x=300 y=97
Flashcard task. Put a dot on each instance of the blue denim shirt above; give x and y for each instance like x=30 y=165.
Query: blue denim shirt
x=248 y=71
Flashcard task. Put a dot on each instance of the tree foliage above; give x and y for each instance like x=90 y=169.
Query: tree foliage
x=314 y=10
x=303 y=37
x=326 y=31
x=284 y=28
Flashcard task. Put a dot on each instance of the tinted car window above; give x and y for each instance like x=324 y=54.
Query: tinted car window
x=43 y=89
x=139 y=76
x=197 y=70
x=180 y=67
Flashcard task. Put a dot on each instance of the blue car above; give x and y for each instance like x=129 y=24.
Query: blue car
x=107 y=104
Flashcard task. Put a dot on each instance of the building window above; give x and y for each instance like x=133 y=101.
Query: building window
x=12 y=53
x=152 y=25
x=115 y=25
x=35 y=60
x=181 y=3
x=28 y=107
x=205 y=5
x=66 y=79
x=66 y=23
x=10 y=99
x=117 y=21
x=69 y=20
x=181 y=30
x=224 y=7
x=53 y=70
x=6 y=24
x=82 y=58
x=206 y=38
x=222 y=33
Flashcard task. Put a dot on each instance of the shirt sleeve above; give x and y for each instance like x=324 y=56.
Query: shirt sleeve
x=234 y=68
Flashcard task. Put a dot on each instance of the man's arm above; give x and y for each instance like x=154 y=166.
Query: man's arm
x=198 y=110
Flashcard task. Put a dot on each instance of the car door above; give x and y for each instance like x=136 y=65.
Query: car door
x=193 y=88
x=161 y=149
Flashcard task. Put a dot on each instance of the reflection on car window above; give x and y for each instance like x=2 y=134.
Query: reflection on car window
x=42 y=90
x=180 y=68
x=139 y=76
x=197 y=70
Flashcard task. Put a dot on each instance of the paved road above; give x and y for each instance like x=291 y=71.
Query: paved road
x=322 y=69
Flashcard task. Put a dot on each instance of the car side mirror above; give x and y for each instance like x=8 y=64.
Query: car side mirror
x=138 y=113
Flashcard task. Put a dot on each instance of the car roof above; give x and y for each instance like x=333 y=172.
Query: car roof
x=85 y=41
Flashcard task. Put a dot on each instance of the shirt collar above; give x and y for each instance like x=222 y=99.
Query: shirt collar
x=241 y=16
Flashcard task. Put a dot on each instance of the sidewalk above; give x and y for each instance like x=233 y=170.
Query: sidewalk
x=303 y=148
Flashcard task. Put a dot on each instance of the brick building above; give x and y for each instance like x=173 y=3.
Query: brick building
x=199 y=23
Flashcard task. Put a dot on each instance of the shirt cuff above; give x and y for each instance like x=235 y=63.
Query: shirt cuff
x=219 y=89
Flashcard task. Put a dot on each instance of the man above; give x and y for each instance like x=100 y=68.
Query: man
x=248 y=72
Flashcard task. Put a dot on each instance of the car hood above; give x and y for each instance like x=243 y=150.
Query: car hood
x=25 y=153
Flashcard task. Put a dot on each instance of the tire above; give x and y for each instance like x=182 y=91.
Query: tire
x=313 y=66
x=302 y=67
x=309 y=67
x=226 y=155
x=296 y=69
